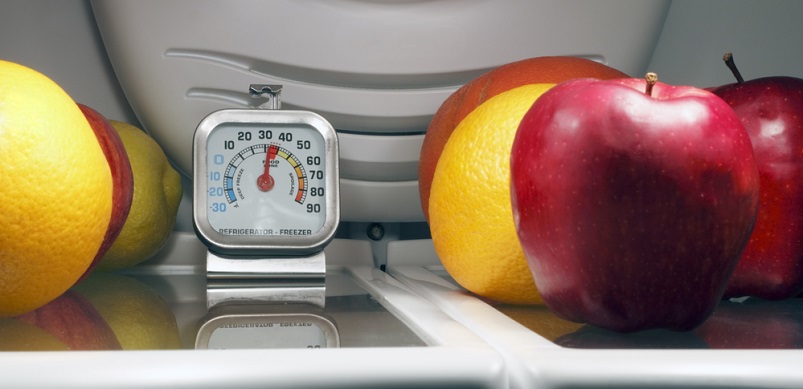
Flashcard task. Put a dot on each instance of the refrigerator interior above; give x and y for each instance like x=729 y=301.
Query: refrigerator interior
x=399 y=319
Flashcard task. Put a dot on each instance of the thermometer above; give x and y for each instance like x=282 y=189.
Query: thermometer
x=266 y=181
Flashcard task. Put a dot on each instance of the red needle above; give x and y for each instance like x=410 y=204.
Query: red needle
x=265 y=181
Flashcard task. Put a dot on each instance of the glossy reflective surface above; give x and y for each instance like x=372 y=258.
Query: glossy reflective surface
x=111 y=311
x=748 y=324
x=145 y=311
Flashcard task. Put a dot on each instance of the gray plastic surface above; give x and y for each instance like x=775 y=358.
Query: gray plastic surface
x=369 y=67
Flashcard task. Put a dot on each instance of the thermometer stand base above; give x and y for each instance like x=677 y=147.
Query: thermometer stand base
x=260 y=280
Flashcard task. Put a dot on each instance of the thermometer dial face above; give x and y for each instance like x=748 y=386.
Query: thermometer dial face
x=265 y=182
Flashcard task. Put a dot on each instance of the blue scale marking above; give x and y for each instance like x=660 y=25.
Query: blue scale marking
x=230 y=189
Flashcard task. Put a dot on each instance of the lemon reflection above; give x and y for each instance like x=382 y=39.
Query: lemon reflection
x=137 y=315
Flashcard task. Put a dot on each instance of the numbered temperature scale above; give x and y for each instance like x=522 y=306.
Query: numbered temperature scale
x=266 y=181
x=237 y=186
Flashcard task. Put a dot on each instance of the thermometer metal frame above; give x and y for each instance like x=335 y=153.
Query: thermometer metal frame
x=264 y=245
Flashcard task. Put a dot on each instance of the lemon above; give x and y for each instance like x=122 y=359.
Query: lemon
x=471 y=216
x=157 y=194
x=55 y=187
x=137 y=315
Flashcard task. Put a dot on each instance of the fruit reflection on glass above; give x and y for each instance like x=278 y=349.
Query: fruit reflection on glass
x=539 y=319
x=633 y=201
x=755 y=324
x=106 y=311
x=592 y=337
x=72 y=320
x=771 y=110
x=17 y=335
x=138 y=316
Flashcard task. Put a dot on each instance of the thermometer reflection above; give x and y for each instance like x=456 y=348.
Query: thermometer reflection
x=252 y=326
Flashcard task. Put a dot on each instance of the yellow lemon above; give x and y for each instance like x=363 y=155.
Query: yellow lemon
x=157 y=194
x=137 y=315
x=55 y=190
x=470 y=213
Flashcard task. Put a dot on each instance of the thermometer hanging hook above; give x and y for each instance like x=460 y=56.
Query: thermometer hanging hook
x=272 y=92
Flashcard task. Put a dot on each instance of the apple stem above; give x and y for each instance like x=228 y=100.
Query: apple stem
x=651 y=78
x=728 y=58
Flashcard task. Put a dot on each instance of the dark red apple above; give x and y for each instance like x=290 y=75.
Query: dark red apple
x=633 y=201
x=73 y=320
x=122 y=178
x=771 y=110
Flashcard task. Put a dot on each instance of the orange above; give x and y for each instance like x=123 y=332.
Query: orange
x=539 y=70
x=471 y=216
x=56 y=190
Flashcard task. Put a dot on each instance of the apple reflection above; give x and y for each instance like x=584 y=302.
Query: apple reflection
x=751 y=323
x=755 y=323
x=107 y=311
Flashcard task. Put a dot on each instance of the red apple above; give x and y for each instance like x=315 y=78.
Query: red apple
x=122 y=178
x=633 y=201
x=73 y=320
x=771 y=110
